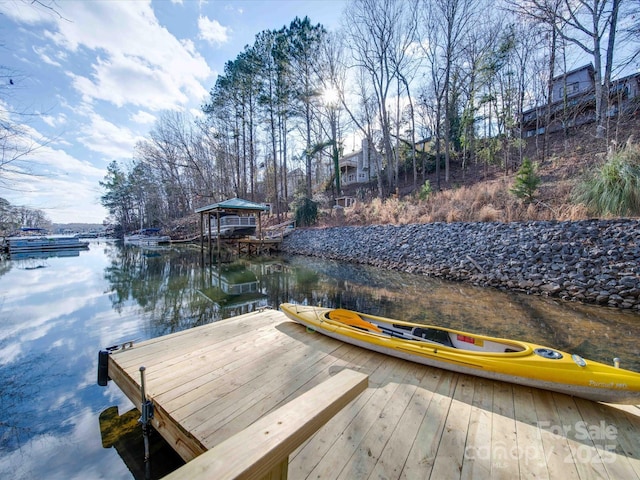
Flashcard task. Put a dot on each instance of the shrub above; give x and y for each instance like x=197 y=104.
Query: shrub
x=488 y=213
x=306 y=212
x=425 y=191
x=614 y=189
x=527 y=181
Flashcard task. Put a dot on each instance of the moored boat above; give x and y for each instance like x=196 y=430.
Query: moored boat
x=147 y=236
x=34 y=239
x=506 y=360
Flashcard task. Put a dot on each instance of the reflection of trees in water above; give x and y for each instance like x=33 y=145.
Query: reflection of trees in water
x=175 y=292
x=163 y=283
x=588 y=330
x=4 y=267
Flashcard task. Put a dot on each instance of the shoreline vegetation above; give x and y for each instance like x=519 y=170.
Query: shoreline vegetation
x=576 y=238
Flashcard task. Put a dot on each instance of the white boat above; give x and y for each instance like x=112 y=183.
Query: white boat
x=34 y=240
x=146 y=236
x=235 y=225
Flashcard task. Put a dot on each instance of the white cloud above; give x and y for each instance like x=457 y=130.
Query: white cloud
x=212 y=31
x=45 y=57
x=54 y=121
x=98 y=58
x=102 y=136
x=53 y=180
x=63 y=198
x=26 y=12
x=197 y=113
x=144 y=118
x=10 y=353
x=136 y=60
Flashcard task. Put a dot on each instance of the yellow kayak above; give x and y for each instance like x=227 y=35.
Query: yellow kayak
x=489 y=357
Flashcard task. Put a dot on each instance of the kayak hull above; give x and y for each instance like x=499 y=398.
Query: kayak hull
x=504 y=360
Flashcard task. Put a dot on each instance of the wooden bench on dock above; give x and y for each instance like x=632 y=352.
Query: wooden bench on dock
x=262 y=449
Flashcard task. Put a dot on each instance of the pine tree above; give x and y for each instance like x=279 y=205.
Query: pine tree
x=526 y=182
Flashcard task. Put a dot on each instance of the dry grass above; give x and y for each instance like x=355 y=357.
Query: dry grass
x=489 y=199
x=483 y=202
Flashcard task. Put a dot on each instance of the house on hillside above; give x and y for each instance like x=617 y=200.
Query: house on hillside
x=573 y=101
x=359 y=166
x=296 y=178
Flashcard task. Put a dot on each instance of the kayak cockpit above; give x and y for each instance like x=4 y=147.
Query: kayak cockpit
x=424 y=333
x=462 y=341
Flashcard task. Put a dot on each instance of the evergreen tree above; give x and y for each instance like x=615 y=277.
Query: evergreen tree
x=527 y=181
x=117 y=196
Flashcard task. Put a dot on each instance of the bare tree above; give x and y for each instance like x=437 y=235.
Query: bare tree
x=452 y=20
x=379 y=31
x=432 y=94
x=545 y=13
x=587 y=24
x=356 y=96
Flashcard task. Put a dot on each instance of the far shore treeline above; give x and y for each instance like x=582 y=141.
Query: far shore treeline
x=452 y=81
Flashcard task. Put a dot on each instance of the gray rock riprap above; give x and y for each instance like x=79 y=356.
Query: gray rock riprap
x=593 y=261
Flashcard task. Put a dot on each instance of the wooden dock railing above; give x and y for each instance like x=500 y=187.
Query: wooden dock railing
x=262 y=450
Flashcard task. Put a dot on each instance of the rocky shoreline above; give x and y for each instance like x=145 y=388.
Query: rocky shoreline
x=592 y=261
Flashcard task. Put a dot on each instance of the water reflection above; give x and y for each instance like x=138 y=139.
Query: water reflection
x=594 y=332
x=122 y=432
x=55 y=317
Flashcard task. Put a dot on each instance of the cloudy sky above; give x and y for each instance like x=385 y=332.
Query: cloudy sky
x=88 y=78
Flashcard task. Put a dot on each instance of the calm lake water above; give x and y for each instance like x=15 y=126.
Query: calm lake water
x=56 y=313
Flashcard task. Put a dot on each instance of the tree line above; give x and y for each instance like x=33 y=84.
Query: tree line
x=13 y=217
x=454 y=73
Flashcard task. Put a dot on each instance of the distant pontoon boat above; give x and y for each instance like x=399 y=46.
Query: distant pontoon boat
x=36 y=239
x=146 y=236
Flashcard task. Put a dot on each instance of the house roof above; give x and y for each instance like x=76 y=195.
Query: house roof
x=588 y=66
x=233 y=204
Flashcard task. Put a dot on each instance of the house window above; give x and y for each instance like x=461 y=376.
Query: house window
x=572 y=89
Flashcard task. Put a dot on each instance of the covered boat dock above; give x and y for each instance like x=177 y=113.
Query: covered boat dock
x=244 y=210
x=210 y=383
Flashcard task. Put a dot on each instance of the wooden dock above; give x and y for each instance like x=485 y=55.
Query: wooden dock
x=412 y=422
x=256 y=246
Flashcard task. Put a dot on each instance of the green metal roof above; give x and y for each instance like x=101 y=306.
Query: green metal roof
x=233 y=204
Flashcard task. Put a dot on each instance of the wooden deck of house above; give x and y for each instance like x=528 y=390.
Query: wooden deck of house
x=412 y=422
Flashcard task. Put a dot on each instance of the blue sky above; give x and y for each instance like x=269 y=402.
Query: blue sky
x=92 y=76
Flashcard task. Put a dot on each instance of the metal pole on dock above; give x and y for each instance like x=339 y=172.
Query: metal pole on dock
x=146 y=410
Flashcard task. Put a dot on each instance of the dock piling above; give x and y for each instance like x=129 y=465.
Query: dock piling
x=146 y=409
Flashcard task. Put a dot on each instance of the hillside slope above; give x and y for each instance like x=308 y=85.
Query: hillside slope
x=481 y=192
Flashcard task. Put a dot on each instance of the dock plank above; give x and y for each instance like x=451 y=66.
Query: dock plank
x=243 y=392
x=608 y=439
x=422 y=455
x=451 y=450
x=504 y=462
x=385 y=380
x=477 y=462
x=365 y=457
x=211 y=382
x=311 y=453
x=392 y=459
x=556 y=448
x=191 y=406
x=531 y=455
